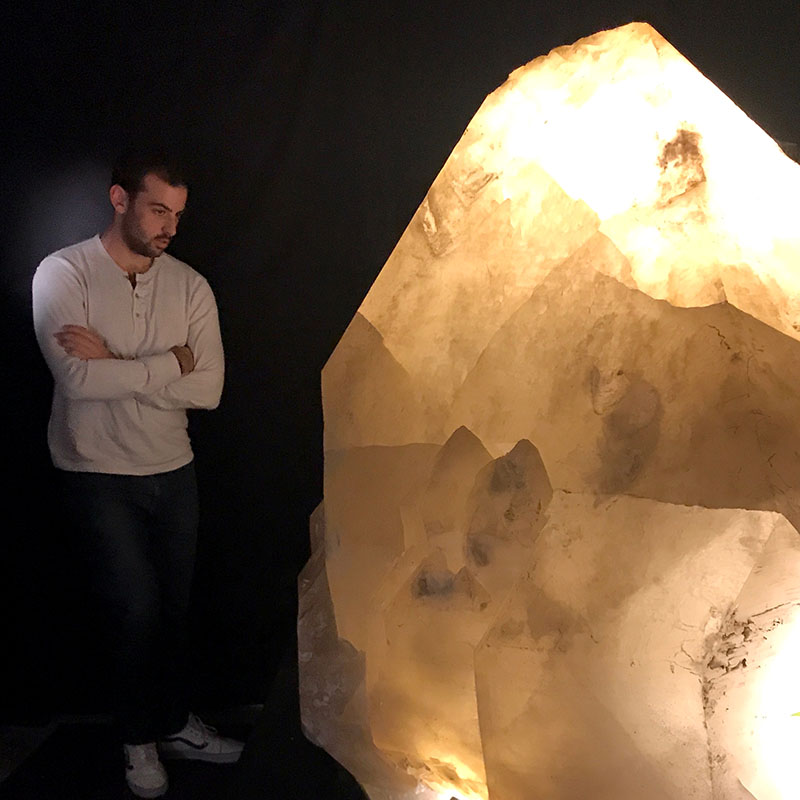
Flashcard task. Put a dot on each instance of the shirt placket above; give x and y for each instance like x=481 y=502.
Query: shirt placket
x=141 y=303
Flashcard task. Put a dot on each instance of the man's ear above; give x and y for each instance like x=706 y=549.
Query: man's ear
x=119 y=198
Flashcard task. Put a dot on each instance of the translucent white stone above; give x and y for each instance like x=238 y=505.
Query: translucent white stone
x=557 y=557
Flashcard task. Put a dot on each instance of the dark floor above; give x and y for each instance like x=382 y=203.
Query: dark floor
x=82 y=761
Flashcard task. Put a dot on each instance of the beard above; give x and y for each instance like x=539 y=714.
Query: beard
x=136 y=240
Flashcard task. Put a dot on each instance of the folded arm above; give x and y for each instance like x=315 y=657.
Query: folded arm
x=86 y=343
x=202 y=387
x=59 y=314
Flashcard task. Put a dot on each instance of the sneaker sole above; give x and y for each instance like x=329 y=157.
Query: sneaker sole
x=199 y=755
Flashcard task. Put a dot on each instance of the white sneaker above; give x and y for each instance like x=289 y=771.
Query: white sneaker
x=145 y=774
x=200 y=742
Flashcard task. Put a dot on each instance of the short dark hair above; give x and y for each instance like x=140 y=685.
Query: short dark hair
x=132 y=165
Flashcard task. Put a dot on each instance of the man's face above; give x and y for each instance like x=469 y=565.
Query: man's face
x=152 y=216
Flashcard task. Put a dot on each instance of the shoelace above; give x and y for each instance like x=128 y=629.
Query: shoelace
x=143 y=756
x=203 y=729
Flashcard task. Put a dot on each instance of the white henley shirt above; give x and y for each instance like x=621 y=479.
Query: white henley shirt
x=126 y=415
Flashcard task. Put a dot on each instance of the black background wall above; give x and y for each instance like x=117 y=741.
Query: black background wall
x=314 y=129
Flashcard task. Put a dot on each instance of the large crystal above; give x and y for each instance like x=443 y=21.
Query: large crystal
x=557 y=554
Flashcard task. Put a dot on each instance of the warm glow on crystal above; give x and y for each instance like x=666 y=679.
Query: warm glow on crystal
x=558 y=552
x=777 y=733
x=447 y=791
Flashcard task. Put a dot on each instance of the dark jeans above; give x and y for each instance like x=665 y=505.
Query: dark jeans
x=138 y=536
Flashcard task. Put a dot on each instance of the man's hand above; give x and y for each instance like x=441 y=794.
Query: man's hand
x=83 y=343
x=185 y=357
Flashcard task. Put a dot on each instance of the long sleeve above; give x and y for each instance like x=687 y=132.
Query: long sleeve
x=58 y=300
x=201 y=388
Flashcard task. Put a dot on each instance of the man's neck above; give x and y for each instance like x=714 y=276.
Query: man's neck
x=128 y=261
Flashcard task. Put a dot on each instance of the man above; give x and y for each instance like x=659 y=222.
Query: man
x=132 y=338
